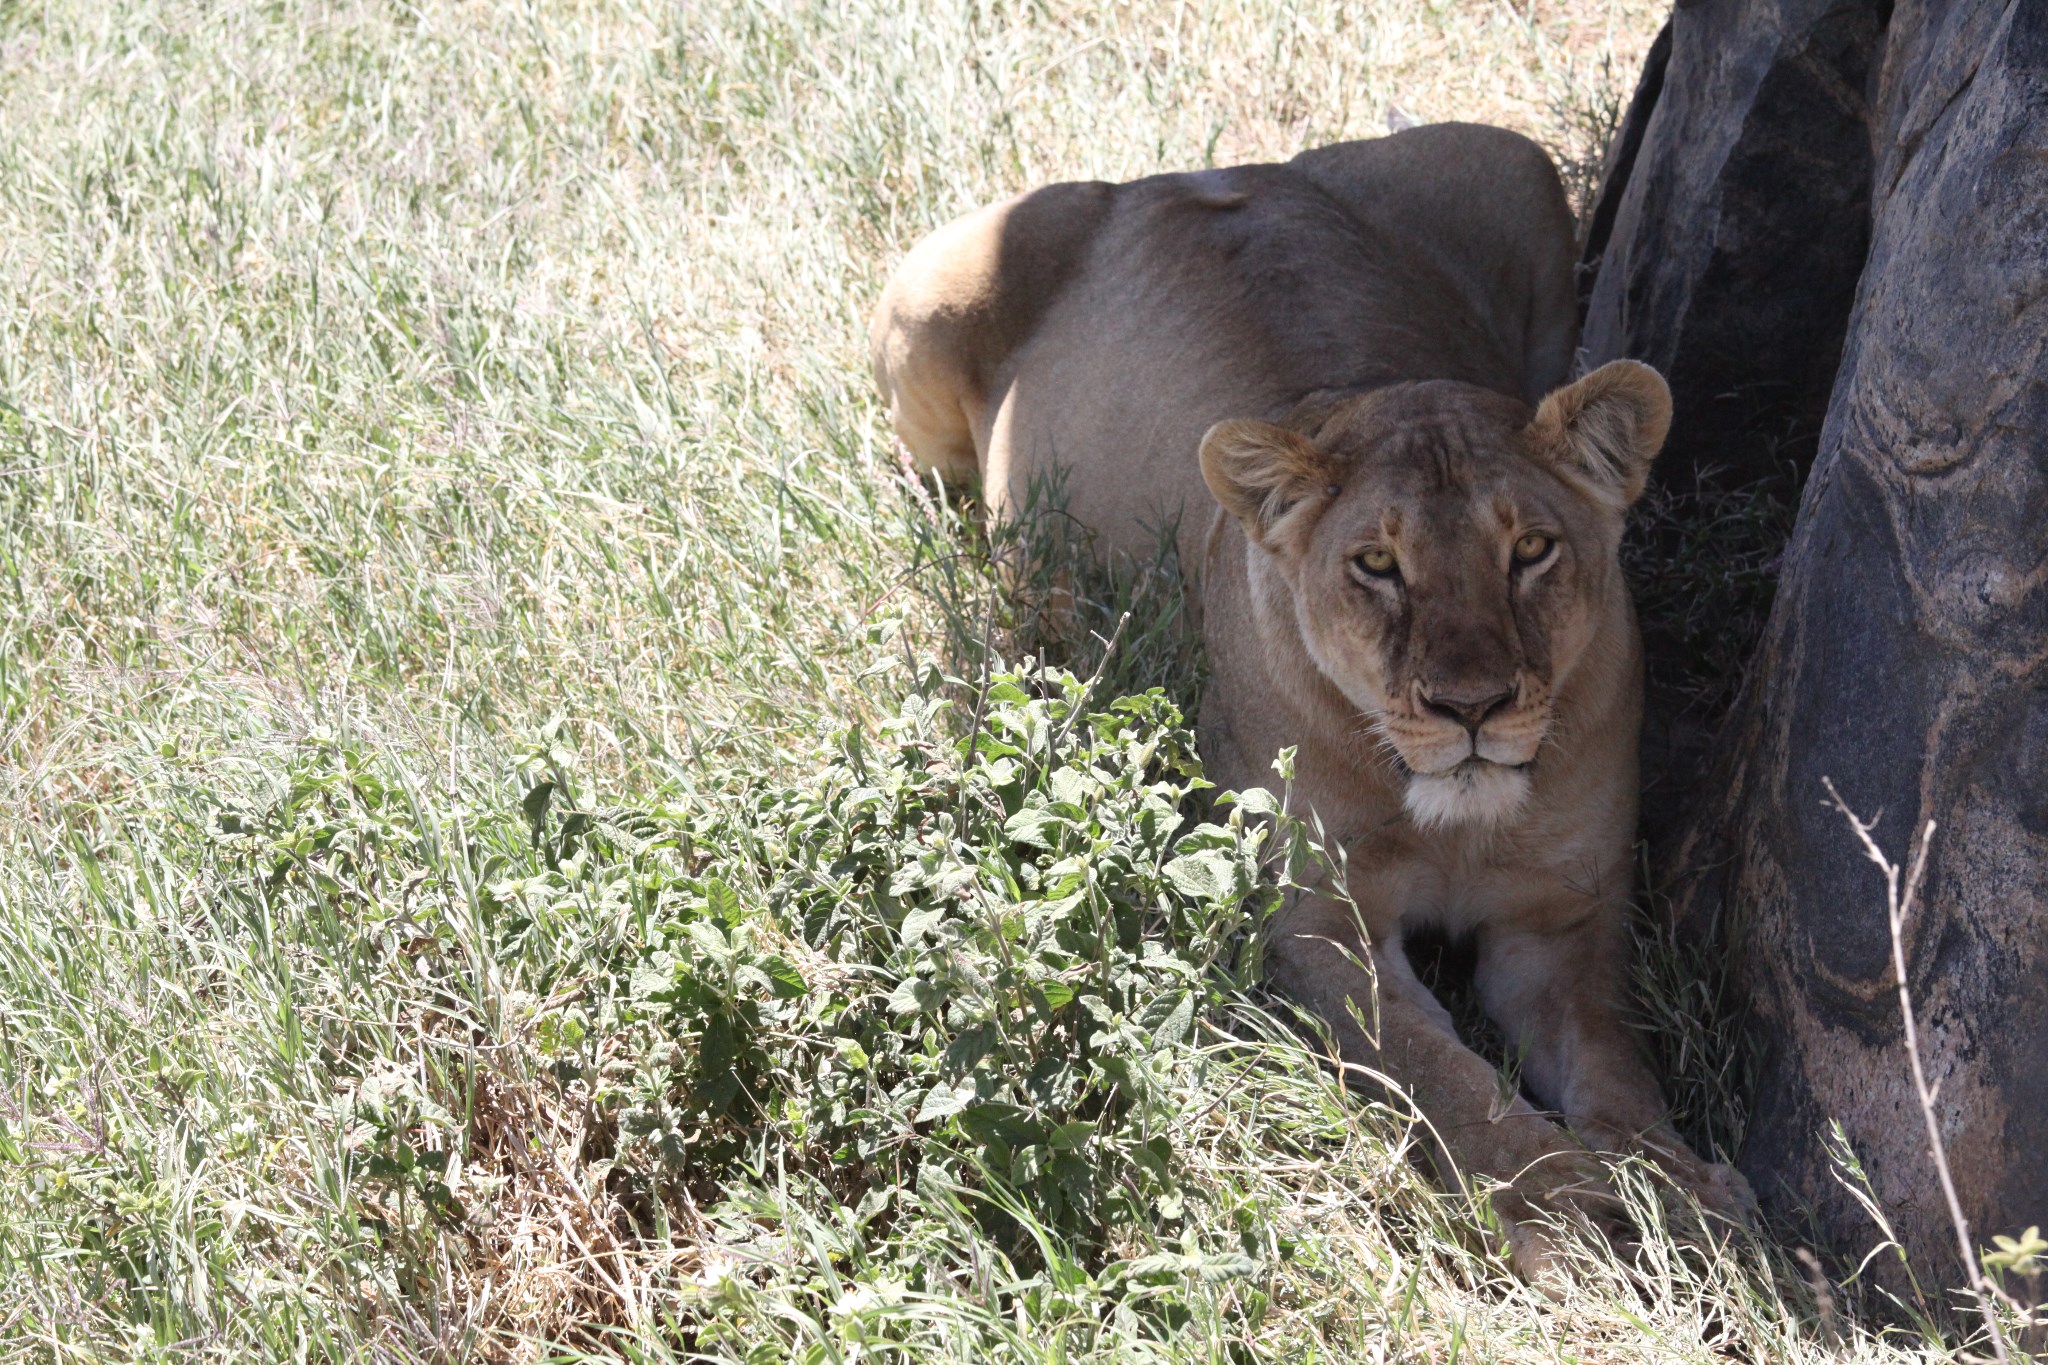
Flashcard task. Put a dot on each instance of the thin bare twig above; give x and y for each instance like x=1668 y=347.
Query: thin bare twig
x=1898 y=905
x=1094 y=680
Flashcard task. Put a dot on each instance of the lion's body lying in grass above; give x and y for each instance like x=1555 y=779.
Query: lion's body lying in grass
x=1323 y=374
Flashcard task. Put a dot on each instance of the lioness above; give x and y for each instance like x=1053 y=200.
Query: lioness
x=1407 y=570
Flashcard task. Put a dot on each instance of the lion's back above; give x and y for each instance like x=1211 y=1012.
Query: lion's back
x=1084 y=336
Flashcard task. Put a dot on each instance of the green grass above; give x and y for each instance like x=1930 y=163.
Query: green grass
x=403 y=408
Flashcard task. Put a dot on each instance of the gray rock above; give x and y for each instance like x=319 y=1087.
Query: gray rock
x=1906 y=655
x=1727 y=255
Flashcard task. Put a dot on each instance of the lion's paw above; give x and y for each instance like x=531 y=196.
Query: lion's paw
x=1724 y=1192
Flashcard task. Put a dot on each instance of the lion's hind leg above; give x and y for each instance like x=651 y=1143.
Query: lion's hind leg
x=958 y=308
x=921 y=345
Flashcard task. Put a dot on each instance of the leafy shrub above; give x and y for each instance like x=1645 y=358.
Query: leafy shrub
x=979 y=953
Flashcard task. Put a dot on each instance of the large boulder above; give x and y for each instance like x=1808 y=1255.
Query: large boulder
x=1906 y=655
x=1725 y=251
x=1727 y=248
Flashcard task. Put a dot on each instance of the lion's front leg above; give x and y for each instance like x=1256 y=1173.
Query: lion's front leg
x=1557 y=995
x=1477 y=1133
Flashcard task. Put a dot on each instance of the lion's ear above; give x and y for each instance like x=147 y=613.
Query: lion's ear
x=1261 y=472
x=1603 y=431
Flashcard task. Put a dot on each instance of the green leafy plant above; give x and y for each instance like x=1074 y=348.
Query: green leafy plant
x=979 y=953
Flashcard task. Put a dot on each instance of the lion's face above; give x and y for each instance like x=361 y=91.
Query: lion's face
x=1452 y=560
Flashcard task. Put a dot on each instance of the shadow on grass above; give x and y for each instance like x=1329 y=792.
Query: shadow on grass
x=1036 y=587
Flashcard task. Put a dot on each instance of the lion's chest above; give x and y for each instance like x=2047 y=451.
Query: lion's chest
x=1407 y=885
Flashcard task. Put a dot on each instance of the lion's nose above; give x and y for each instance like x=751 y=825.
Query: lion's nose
x=1468 y=706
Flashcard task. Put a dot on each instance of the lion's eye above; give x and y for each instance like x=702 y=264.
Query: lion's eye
x=1378 y=563
x=1531 y=548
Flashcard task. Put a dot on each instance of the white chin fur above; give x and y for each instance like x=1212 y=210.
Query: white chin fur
x=1473 y=793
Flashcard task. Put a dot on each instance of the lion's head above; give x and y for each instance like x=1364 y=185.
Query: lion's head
x=1452 y=560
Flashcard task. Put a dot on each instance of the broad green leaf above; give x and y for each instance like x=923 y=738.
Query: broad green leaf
x=1204 y=875
x=1034 y=825
x=1069 y=1137
x=1256 y=801
x=788 y=982
x=709 y=940
x=722 y=902
x=652 y=976
x=944 y=1100
x=921 y=923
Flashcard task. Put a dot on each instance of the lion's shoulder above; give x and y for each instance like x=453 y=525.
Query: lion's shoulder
x=1484 y=207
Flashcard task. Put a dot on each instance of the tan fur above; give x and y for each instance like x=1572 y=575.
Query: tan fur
x=1359 y=353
